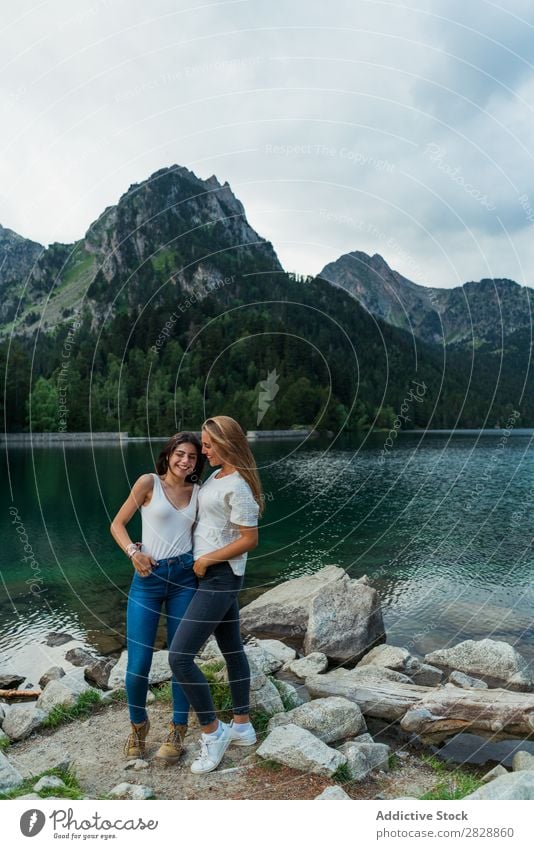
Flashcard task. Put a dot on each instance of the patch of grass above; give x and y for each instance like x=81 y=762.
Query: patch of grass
x=85 y=703
x=5 y=743
x=120 y=696
x=342 y=774
x=435 y=763
x=456 y=786
x=72 y=790
x=454 y=783
x=260 y=721
x=163 y=693
x=394 y=762
x=220 y=690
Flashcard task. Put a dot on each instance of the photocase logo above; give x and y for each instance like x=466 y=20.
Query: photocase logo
x=268 y=392
x=32 y=822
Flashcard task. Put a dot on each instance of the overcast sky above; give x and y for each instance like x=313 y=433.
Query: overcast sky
x=398 y=128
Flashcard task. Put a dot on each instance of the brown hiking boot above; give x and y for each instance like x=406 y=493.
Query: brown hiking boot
x=136 y=743
x=172 y=748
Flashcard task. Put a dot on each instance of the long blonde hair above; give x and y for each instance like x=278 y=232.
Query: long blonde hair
x=230 y=440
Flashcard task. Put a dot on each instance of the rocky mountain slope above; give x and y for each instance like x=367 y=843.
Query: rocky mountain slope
x=478 y=313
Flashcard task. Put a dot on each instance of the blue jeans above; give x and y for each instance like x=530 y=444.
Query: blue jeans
x=171 y=581
x=213 y=610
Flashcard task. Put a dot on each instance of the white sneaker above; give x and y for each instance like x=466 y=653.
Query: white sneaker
x=242 y=738
x=211 y=751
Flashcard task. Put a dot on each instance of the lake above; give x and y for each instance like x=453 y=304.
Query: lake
x=442 y=524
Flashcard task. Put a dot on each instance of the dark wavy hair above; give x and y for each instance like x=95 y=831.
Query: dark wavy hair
x=162 y=463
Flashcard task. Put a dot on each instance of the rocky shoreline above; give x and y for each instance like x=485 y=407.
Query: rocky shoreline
x=322 y=678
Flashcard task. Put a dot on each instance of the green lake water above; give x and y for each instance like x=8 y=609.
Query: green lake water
x=444 y=529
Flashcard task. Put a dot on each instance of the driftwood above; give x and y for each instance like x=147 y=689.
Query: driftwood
x=434 y=713
x=495 y=713
x=19 y=695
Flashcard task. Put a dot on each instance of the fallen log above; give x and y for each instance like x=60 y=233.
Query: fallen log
x=19 y=695
x=376 y=692
x=449 y=710
x=433 y=713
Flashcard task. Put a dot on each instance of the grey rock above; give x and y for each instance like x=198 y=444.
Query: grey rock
x=262 y=661
x=210 y=651
x=312 y=664
x=137 y=764
x=48 y=782
x=52 y=674
x=9 y=776
x=497 y=663
x=283 y=612
x=513 y=785
x=58 y=638
x=299 y=749
x=460 y=679
x=150 y=698
x=494 y=773
x=522 y=761
x=363 y=738
x=30 y=796
x=356 y=761
x=330 y=719
x=80 y=657
x=98 y=671
x=283 y=653
x=345 y=621
x=266 y=698
x=423 y=674
x=393 y=657
x=333 y=792
x=376 y=754
x=160 y=670
x=64 y=692
x=290 y=695
x=10 y=681
x=131 y=791
x=22 y=719
x=2 y=713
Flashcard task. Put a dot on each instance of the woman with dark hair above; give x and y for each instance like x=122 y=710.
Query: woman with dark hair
x=230 y=502
x=163 y=564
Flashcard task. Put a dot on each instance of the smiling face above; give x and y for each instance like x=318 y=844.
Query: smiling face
x=183 y=459
x=210 y=451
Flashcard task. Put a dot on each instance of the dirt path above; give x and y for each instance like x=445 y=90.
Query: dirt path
x=94 y=748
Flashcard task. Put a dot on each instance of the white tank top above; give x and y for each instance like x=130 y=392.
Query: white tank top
x=167 y=531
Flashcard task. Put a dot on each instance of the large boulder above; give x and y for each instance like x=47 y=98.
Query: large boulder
x=345 y=621
x=299 y=749
x=329 y=719
x=514 y=785
x=22 y=719
x=497 y=663
x=283 y=612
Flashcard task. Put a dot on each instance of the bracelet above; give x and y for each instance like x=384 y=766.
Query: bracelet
x=132 y=548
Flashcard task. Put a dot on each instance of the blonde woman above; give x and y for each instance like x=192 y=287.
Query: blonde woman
x=229 y=504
